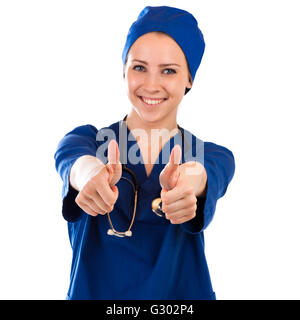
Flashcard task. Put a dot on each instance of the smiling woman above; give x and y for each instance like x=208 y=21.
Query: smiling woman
x=157 y=257
x=154 y=90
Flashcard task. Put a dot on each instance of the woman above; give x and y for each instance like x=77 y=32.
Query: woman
x=158 y=257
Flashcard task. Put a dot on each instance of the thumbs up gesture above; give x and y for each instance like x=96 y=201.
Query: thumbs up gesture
x=99 y=194
x=177 y=194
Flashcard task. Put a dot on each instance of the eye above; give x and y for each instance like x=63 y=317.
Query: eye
x=138 y=68
x=171 y=71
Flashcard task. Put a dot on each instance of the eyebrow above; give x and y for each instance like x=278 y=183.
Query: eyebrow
x=161 y=65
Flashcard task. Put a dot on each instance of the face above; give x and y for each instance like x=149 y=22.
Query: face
x=156 y=76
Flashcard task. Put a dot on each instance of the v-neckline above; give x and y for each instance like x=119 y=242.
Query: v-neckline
x=155 y=164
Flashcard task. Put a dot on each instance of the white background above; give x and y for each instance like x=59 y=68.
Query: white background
x=60 y=67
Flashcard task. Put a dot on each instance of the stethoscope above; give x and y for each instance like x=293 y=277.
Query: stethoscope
x=156 y=203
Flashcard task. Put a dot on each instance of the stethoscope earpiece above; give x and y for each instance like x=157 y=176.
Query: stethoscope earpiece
x=128 y=233
x=112 y=232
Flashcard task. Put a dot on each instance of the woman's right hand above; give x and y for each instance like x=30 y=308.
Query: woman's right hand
x=99 y=194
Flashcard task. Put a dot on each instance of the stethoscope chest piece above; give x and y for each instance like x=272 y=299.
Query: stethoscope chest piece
x=156 y=207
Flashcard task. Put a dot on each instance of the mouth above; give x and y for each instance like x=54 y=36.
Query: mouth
x=152 y=101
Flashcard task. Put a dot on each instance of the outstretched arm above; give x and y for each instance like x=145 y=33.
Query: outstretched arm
x=219 y=165
x=77 y=147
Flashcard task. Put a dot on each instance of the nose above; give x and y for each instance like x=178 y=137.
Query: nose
x=152 y=82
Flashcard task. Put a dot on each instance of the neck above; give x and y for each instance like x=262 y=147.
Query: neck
x=151 y=136
x=134 y=121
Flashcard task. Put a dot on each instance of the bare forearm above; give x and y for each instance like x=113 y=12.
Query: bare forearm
x=83 y=170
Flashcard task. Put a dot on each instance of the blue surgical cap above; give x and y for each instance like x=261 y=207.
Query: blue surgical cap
x=177 y=23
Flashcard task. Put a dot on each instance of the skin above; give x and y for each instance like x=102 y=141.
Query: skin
x=151 y=80
x=154 y=81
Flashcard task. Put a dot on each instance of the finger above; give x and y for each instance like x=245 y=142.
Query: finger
x=86 y=208
x=88 y=199
x=170 y=174
x=92 y=204
x=100 y=204
x=113 y=152
x=175 y=158
x=181 y=204
x=111 y=158
x=168 y=197
x=180 y=191
x=163 y=194
x=115 y=190
x=176 y=154
x=172 y=168
x=182 y=219
x=108 y=194
x=113 y=165
x=189 y=210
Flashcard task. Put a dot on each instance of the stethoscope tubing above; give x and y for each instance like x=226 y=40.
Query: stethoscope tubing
x=156 y=203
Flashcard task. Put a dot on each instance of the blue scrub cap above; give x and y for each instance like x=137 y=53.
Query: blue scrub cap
x=179 y=24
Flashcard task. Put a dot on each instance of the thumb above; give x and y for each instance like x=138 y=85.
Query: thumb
x=175 y=158
x=169 y=175
x=113 y=165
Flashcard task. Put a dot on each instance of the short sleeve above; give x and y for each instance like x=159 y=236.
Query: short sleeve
x=219 y=164
x=78 y=142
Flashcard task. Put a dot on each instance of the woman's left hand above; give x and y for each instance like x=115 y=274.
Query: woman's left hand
x=181 y=185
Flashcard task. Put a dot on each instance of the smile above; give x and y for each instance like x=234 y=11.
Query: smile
x=151 y=101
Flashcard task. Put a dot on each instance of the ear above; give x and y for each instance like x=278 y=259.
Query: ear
x=124 y=67
x=190 y=83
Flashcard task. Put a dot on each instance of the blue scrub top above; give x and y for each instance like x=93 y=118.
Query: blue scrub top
x=161 y=260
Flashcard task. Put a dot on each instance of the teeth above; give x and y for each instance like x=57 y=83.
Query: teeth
x=150 y=101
